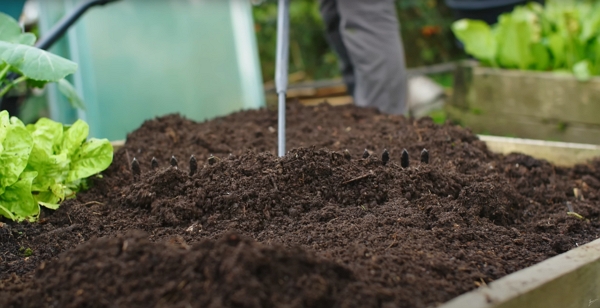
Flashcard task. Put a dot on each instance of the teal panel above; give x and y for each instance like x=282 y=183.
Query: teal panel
x=140 y=59
x=12 y=8
x=59 y=108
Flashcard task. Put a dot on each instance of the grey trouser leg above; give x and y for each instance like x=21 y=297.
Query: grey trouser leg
x=368 y=43
x=332 y=20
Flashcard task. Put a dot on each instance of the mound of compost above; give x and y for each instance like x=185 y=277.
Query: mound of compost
x=337 y=223
x=130 y=271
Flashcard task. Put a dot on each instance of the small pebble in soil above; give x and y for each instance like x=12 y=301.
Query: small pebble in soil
x=193 y=165
x=404 y=159
x=385 y=157
x=365 y=154
x=154 y=163
x=174 y=161
x=347 y=155
x=425 y=156
x=135 y=168
x=212 y=160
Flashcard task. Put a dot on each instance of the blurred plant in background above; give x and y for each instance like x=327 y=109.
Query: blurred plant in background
x=426 y=33
x=562 y=36
x=425 y=27
x=309 y=52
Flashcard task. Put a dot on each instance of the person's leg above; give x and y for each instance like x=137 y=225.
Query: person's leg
x=371 y=33
x=331 y=19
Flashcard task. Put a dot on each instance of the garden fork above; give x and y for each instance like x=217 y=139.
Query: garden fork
x=281 y=70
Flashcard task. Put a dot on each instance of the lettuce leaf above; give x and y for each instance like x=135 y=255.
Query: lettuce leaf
x=92 y=156
x=559 y=36
x=44 y=163
x=15 y=146
x=478 y=39
x=74 y=137
x=62 y=157
x=582 y=70
x=17 y=202
x=514 y=37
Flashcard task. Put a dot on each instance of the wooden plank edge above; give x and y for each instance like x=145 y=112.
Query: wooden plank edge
x=563 y=154
x=484 y=70
x=117 y=144
x=525 y=127
x=333 y=101
x=447 y=67
x=571 y=279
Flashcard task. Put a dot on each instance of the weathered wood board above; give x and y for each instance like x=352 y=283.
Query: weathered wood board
x=313 y=93
x=559 y=153
x=117 y=144
x=569 y=280
x=525 y=127
x=333 y=101
x=537 y=105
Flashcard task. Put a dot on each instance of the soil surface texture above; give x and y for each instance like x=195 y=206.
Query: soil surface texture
x=334 y=223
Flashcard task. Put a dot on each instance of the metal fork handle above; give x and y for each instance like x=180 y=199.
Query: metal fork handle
x=281 y=70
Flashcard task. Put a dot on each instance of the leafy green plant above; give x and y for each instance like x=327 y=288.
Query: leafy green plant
x=36 y=67
x=44 y=163
x=27 y=252
x=562 y=36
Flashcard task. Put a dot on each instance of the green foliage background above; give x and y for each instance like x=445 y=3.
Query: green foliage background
x=562 y=36
x=310 y=53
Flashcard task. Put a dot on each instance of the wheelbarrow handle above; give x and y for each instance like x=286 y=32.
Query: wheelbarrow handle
x=63 y=25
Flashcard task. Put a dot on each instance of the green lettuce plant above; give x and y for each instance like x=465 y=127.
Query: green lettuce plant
x=35 y=67
x=44 y=163
x=562 y=36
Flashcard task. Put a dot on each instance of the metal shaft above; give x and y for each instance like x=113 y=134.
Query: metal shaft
x=281 y=70
x=281 y=126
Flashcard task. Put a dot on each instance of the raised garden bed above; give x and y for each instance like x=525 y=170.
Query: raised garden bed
x=526 y=104
x=310 y=229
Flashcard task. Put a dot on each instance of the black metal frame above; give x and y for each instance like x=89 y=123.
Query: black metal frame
x=64 y=24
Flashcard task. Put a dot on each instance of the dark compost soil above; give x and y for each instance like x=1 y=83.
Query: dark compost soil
x=312 y=229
